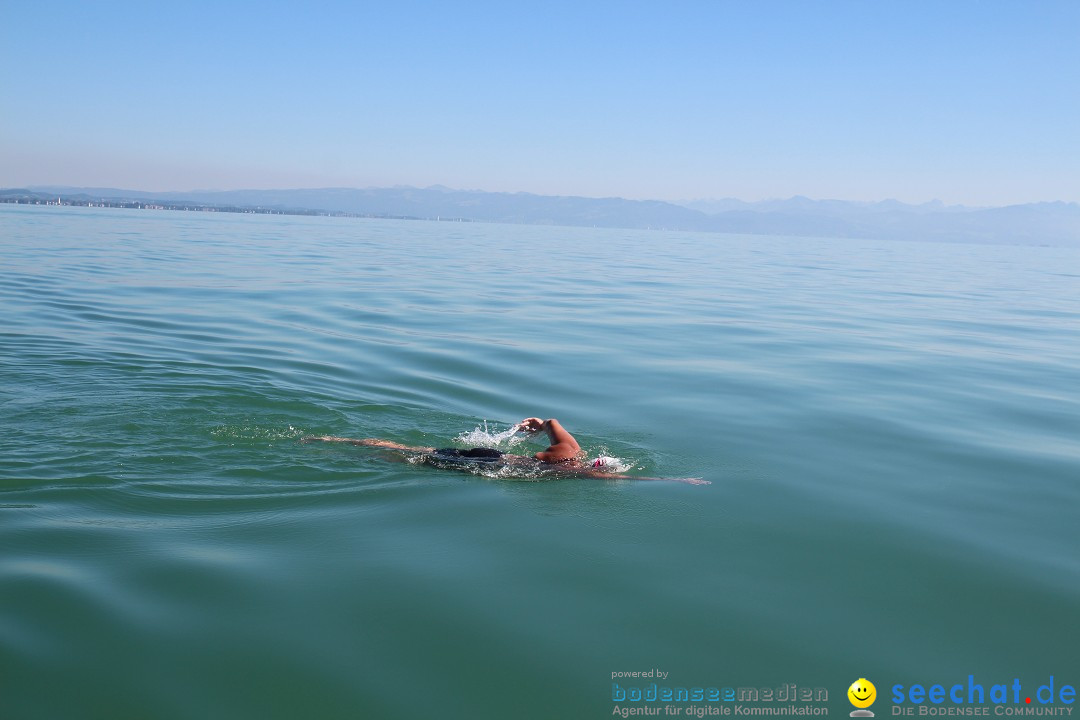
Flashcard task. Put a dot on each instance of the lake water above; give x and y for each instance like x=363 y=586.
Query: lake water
x=891 y=431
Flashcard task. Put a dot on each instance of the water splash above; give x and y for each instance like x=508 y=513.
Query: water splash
x=255 y=432
x=484 y=437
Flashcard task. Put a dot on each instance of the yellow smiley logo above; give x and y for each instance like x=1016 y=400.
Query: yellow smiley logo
x=862 y=693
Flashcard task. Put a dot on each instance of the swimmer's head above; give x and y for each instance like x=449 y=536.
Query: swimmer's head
x=603 y=462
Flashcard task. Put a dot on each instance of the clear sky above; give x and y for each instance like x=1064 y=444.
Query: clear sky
x=968 y=102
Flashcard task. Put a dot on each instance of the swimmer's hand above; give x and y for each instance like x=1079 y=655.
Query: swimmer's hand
x=533 y=424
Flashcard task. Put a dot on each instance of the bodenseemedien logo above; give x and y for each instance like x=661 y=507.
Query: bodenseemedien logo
x=862 y=695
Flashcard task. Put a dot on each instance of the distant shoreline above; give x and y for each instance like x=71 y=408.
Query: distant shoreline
x=79 y=201
x=1032 y=224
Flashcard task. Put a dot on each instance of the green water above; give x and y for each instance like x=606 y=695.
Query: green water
x=891 y=432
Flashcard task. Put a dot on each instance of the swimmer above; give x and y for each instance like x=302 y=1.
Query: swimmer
x=563 y=455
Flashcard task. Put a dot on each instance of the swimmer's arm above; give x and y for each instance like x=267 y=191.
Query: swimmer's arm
x=618 y=476
x=558 y=434
x=367 y=442
x=563 y=445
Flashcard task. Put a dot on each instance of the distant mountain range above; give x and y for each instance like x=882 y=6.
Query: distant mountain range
x=1051 y=223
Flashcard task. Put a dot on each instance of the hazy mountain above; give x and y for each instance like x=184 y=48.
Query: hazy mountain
x=1054 y=223
x=800 y=204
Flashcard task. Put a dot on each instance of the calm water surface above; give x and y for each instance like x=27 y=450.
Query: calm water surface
x=891 y=431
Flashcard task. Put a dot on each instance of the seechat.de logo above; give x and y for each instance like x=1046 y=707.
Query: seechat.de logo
x=862 y=695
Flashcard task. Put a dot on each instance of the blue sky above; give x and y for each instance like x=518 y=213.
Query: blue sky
x=968 y=102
